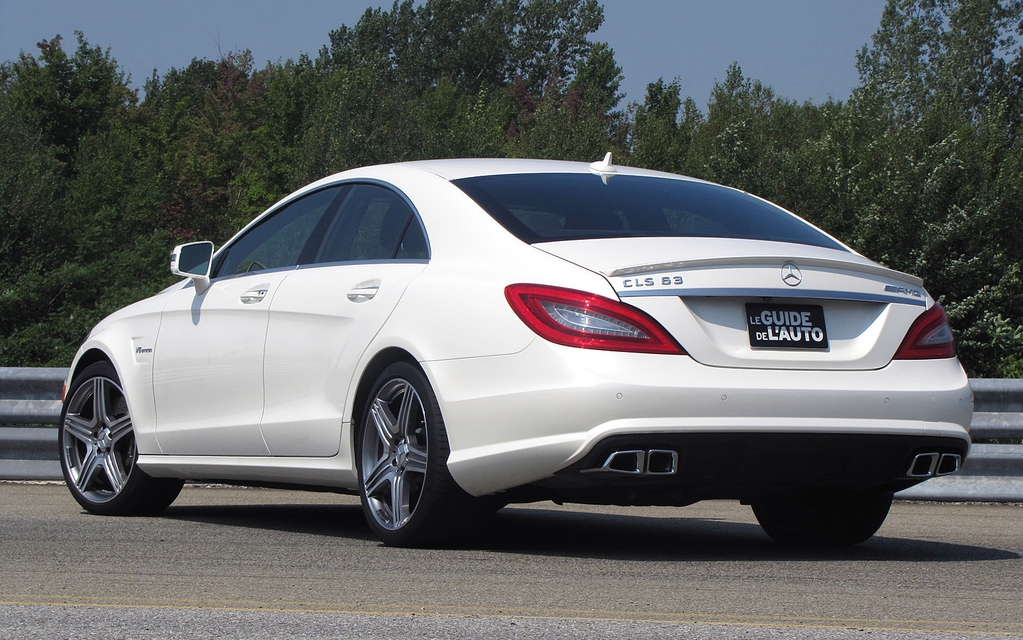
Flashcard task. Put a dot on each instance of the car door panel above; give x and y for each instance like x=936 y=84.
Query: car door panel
x=208 y=370
x=208 y=367
x=321 y=321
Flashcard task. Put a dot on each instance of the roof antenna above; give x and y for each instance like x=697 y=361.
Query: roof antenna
x=604 y=168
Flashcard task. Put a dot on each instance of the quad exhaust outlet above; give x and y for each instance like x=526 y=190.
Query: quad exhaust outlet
x=664 y=462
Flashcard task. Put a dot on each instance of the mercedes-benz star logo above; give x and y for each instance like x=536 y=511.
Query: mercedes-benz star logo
x=790 y=274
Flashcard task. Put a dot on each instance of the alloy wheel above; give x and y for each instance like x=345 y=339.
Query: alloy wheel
x=98 y=443
x=395 y=450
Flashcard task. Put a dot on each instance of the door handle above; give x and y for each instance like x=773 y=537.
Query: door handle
x=252 y=296
x=362 y=294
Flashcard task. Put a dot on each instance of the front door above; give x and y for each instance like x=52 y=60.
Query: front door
x=208 y=367
x=208 y=360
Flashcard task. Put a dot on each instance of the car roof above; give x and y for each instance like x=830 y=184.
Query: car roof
x=455 y=169
x=459 y=168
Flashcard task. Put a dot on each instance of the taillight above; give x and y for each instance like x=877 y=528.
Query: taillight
x=929 y=337
x=579 y=319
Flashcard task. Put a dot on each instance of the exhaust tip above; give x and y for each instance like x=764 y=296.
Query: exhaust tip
x=923 y=465
x=639 y=462
x=631 y=462
x=948 y=464
x=661 y=462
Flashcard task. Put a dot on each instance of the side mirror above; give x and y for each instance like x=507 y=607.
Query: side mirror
x=193 y=261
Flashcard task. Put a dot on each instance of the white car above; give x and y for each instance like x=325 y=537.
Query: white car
x=446 y=337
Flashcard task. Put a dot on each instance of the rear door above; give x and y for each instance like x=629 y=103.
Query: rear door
x=324 y=316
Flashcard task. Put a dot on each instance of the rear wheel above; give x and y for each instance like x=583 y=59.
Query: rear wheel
x=408 y=496
x=833 y=519
x=98 y=453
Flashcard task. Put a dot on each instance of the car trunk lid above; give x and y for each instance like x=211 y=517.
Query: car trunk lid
x=755 y=304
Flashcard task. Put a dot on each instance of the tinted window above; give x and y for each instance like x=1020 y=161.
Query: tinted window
x=282 y=239
x=559 y=206
x=370 y=225
x=413 y=243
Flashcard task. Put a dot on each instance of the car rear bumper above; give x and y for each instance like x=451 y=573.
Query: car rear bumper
x=682 y=468
x=537 y=415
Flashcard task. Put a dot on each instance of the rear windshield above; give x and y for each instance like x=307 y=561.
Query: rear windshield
x=546 y=207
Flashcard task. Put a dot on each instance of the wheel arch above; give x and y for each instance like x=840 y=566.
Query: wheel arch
x=370 y=373
x=109 y=440
x=89 y=357
x=436 y=510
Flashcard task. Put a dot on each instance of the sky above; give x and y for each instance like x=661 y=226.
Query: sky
x=803 y=49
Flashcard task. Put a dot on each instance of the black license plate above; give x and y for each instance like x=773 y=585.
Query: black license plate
x=786 y=326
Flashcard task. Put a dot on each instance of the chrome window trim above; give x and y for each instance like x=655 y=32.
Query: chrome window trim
x=387 y=185
x=347 y=263
x=341 y=183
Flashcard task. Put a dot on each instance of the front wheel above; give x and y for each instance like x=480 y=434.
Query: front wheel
x=832 y=519
x=98 y=453
x=408 y=496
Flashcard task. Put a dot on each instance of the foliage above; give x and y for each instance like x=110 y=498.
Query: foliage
x=919 y=169
x=938 y=182
x=77 y=243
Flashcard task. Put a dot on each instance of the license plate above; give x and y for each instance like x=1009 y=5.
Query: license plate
x=786 y=326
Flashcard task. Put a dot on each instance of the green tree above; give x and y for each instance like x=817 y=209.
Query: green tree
x=210 y=118
x=465 y=78
x=78 y=242
x=663 y=128
x=63 y=98
x=936 y=184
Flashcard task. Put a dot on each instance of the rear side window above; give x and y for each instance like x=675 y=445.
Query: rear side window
x=373 y=223
x=573 y=206
x=413 y=242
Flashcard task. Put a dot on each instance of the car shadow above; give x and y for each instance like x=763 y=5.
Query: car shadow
x=334 y=521
x=528 y=531
x=628 y=537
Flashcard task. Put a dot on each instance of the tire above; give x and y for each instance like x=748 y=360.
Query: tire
x=408 y=496
x=828 y=520
x=98 y=453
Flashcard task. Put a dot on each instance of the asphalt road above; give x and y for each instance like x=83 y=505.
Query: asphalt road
x=251 y=563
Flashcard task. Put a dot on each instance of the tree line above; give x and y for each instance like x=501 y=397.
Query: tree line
x=919 y=169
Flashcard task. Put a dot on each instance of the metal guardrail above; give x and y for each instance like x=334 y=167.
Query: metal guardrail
x=992 y=472
x=30 y=395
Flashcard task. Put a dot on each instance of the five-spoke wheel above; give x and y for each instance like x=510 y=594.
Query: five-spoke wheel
x=408 y=495
x=395 y=447
x=97 y=449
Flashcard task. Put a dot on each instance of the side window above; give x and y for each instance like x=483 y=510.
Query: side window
x=371 y=225
x=413 y=243
x=283 y=239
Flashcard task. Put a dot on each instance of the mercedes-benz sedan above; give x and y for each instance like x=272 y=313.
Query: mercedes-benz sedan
x=446 y=337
